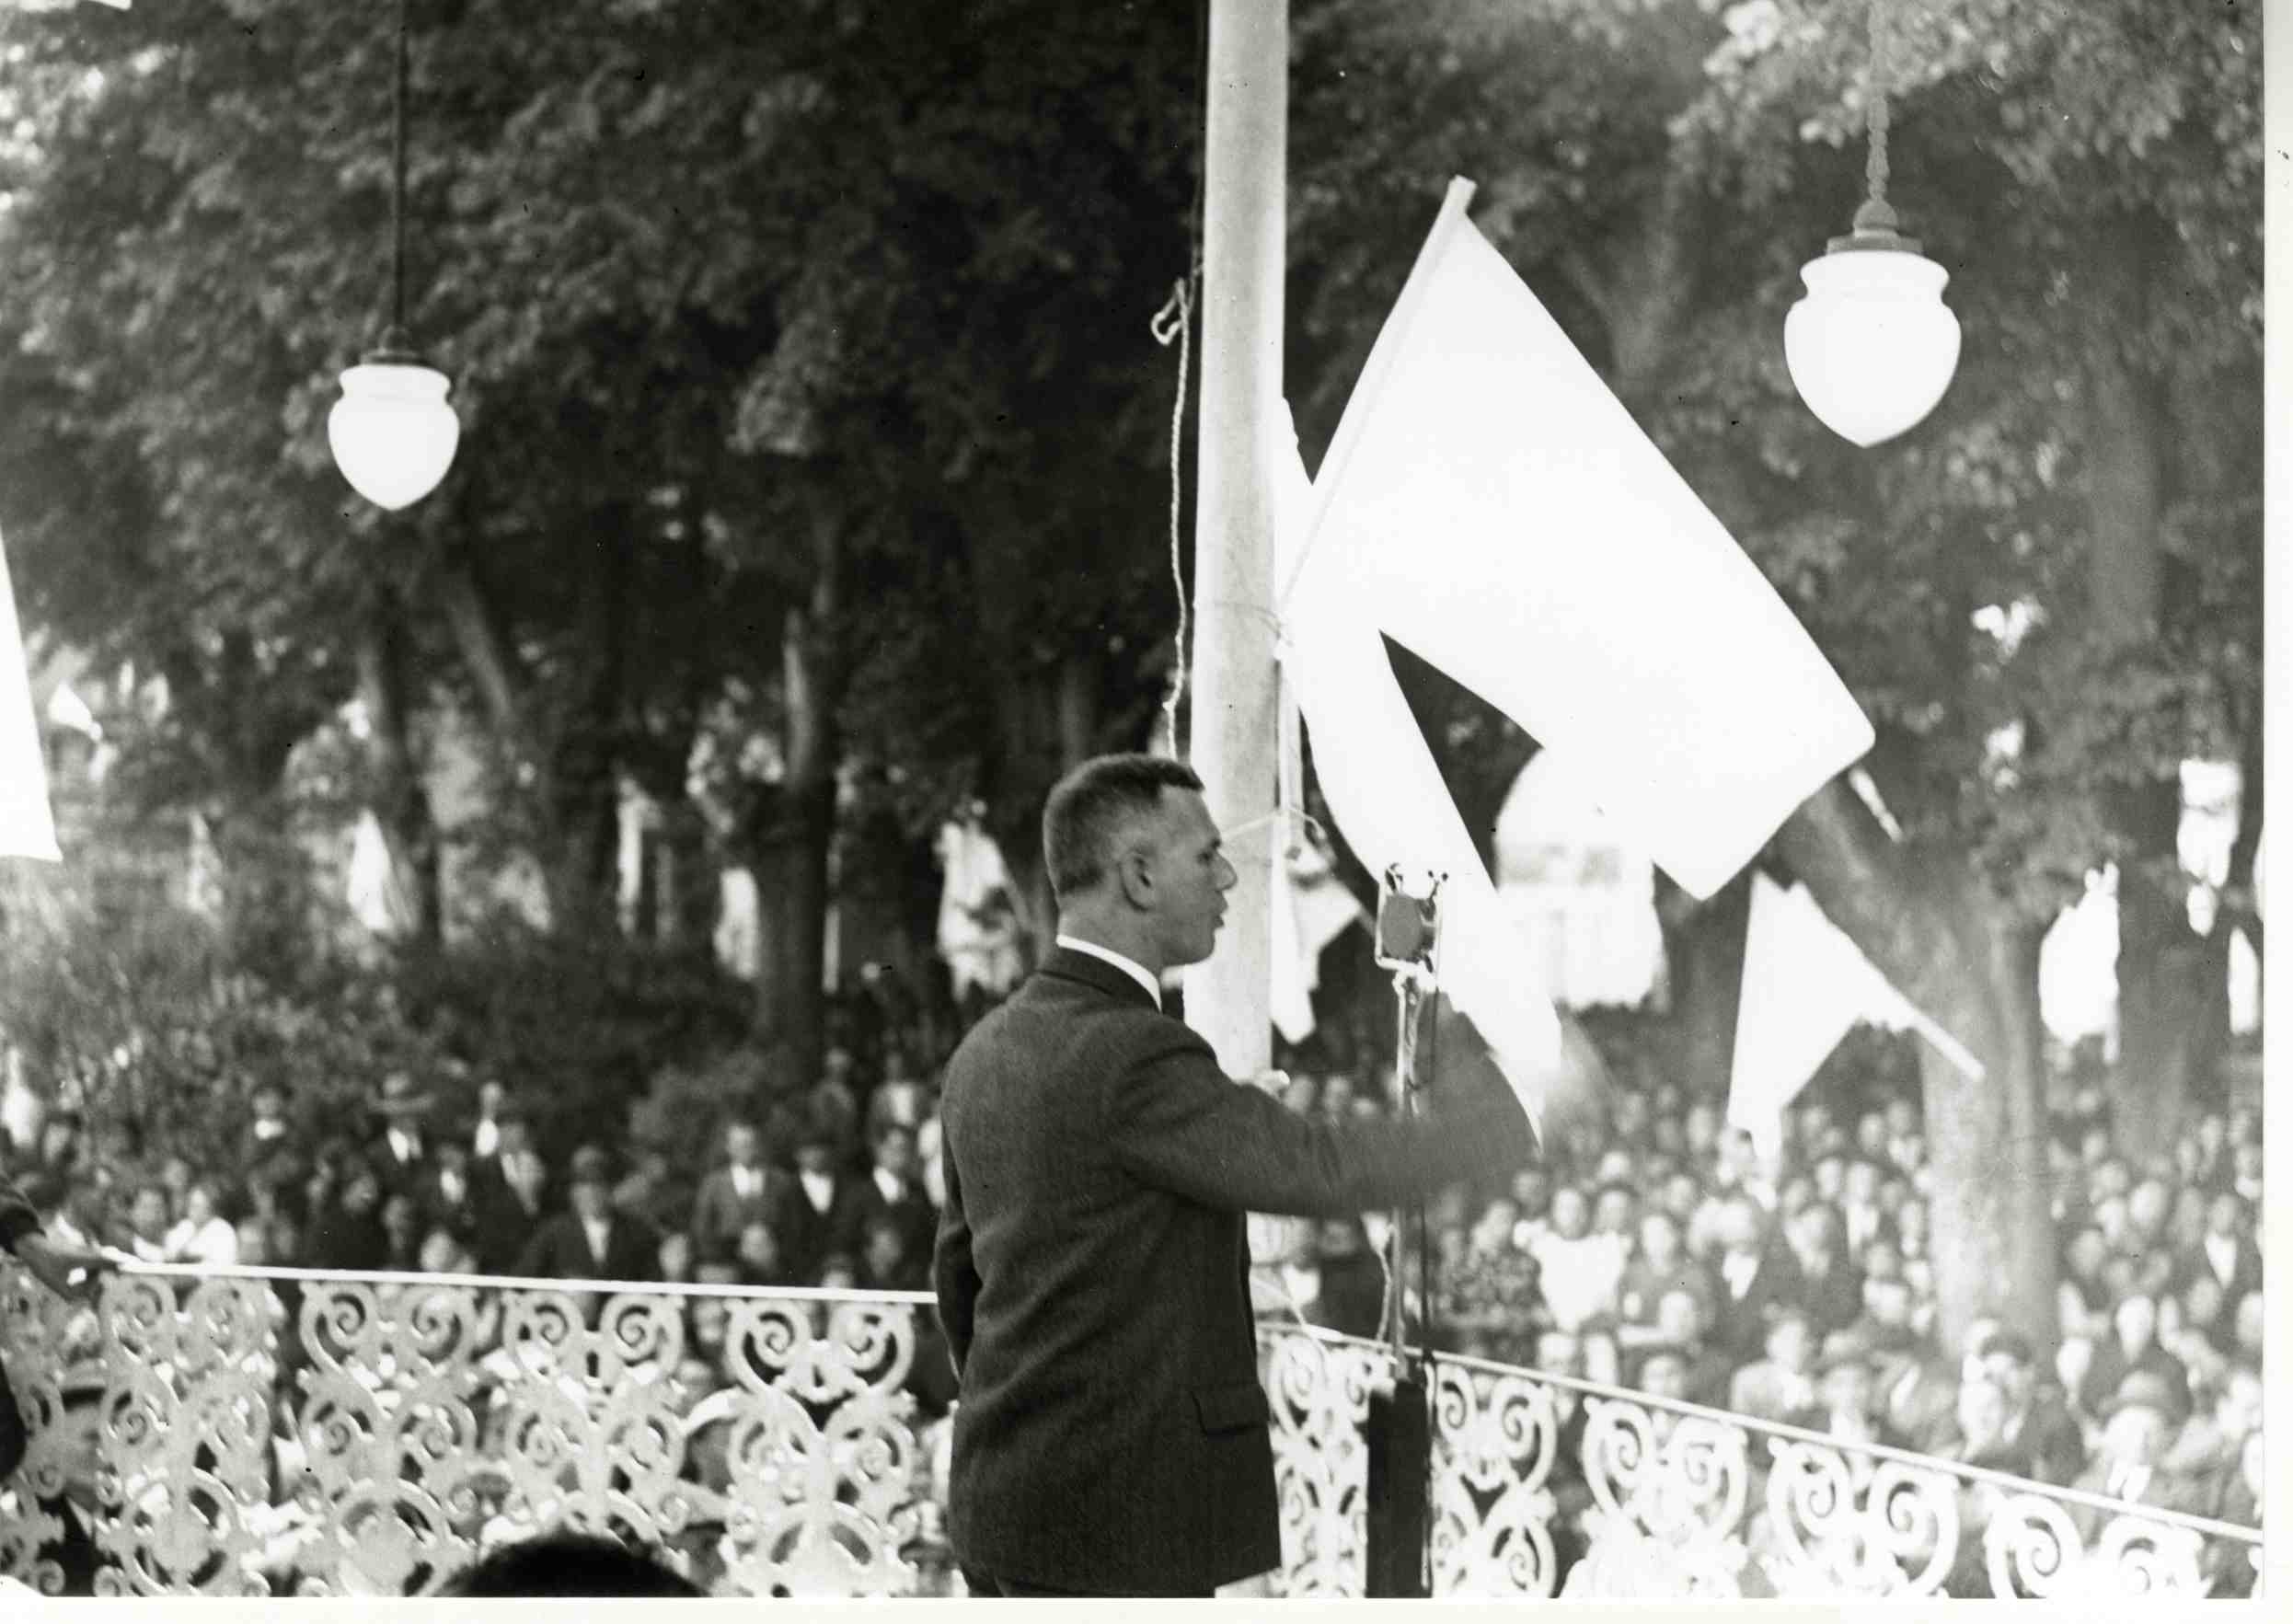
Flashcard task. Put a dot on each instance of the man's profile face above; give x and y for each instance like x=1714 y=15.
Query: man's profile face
x=1191 y=876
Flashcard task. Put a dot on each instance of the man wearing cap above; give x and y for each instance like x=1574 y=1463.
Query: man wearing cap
x=591 y=1241
x=824 y=1215
x=2038 y=1423
x=268 y=1135
x=2137 y=1425
x=1091 y=1268
x=401 y=1157
x=67 y=1269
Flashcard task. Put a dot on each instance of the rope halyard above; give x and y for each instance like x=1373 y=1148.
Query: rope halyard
x=1175 y=321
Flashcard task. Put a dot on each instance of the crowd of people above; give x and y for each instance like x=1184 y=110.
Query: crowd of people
x=1653 y=1250
x=1658 y=1250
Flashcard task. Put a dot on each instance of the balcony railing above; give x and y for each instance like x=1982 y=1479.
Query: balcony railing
x=424 y=1419
x=1658 y=1498
x=280 y=1431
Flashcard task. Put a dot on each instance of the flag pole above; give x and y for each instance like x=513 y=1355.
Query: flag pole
x=1234 y=721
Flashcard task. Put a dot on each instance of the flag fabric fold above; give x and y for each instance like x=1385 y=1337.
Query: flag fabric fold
x=1489 y=504
x=1805 y=984
x=28 y=827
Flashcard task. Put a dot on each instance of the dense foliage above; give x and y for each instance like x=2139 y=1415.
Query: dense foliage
x=814 y=472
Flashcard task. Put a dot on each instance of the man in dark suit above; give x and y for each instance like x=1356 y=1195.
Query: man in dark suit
x=2226 y=1252
x=2139 y=1422
x=1092 y=1271
x=1757 y=1277
x=893 y=1191
x=509 y=1195
x=823 y=1217
x=400 y=1154
x=743 y=1191
x=66 y=1270
x=591 y=1241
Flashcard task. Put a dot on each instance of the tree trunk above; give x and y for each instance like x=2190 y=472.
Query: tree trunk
x=265 y=875
x=265 y=884
x=1991 y=1211
x=1703 y=951
x=2171 y=1018
x=794 y=829
x=2173 y=1009
x=1926 y=918
x=401 y=801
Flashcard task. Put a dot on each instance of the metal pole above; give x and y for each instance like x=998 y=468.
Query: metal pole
x=1232 y=733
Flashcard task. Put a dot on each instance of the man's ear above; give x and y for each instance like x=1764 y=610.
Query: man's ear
x=1134 y=873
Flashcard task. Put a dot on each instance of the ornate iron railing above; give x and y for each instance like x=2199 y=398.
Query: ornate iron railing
x=253 y=1430
x=1645 y=1497
x=269 y=1431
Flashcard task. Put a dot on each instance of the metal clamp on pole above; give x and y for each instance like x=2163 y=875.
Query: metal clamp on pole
x=1399 y=1427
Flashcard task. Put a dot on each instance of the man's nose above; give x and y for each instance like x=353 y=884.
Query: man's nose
x=1226 y=876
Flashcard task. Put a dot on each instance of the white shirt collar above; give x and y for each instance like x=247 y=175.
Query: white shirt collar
x=1129 y=966
x=2222 y=1251
x=890 y=1184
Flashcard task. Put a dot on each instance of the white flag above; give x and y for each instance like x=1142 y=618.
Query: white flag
x=1806 y=984
x=1385 y=792
x=27 y=828
x=1489 y=504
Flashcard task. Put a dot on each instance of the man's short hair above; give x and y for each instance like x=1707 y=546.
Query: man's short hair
x=1086 y=808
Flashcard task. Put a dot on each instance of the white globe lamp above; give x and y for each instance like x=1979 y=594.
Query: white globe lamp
x=392 y=433
x=1872 y=347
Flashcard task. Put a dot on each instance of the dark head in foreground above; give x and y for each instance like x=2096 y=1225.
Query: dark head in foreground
x=565 y=1563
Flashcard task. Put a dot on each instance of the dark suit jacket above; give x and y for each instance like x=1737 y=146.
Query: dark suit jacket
x=719 y=1215
x=501 y=1224
x=913 y=1214
x=1093 y=1280
x=16 y=1220
x=2160 y=1491
x=396 y=1175
x=559 y=1250
x=812 y=1234
x=2244 y=1276
x=1740 y=1326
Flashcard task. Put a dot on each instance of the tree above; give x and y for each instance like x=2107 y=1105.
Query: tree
x=1657 y=172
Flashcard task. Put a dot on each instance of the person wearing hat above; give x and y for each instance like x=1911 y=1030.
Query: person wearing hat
x=2038 y=1421
x=64 y=1268
x=590 y=1241
x=2138 y=1423
x=268 y=1135
x=400 y=1156
x=825 y=1214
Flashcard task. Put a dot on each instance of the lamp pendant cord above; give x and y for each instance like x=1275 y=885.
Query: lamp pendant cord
x=1875 y=165
x=397 y=186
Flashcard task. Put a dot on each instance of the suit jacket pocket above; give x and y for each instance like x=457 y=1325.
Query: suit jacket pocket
x=1236 y=1407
